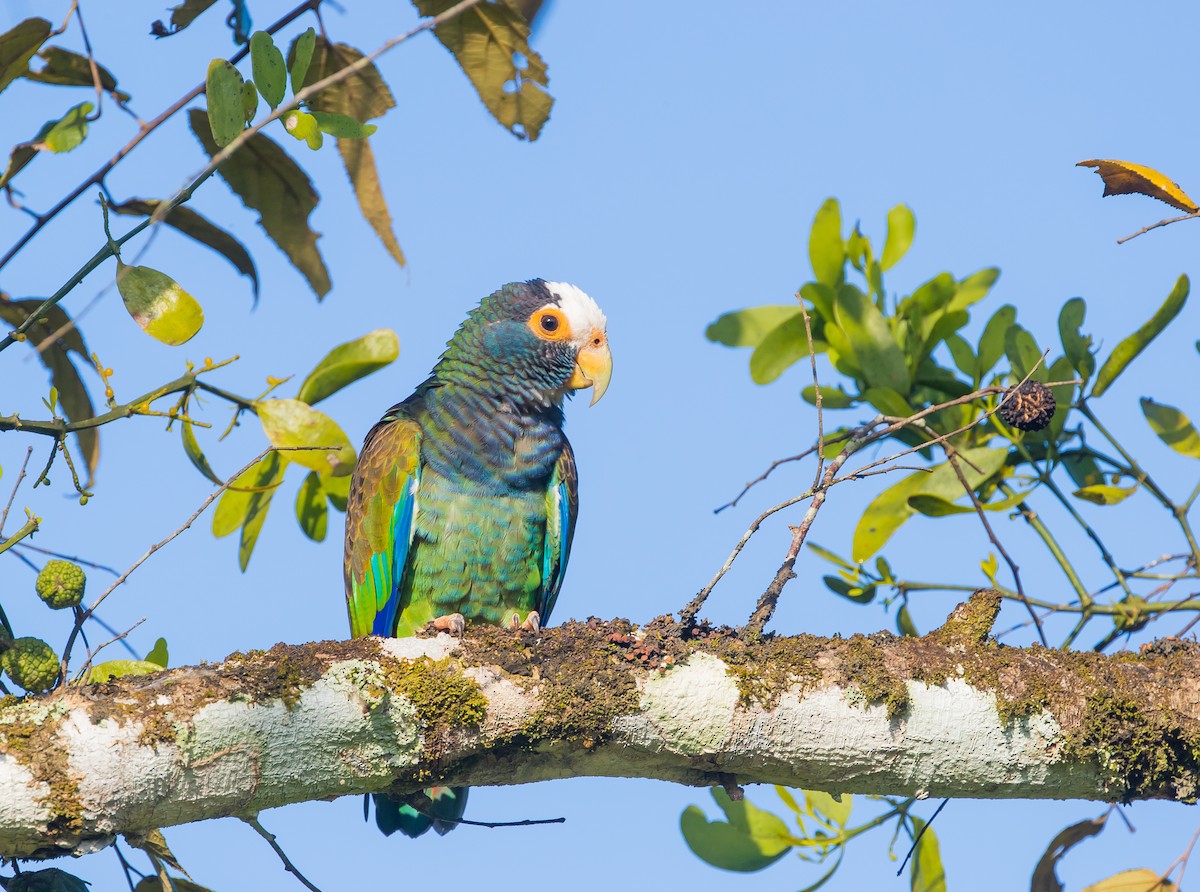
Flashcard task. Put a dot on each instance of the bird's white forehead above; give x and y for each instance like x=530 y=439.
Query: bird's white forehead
x=581 y=311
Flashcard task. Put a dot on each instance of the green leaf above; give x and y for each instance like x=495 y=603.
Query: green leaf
x=153 y=884
x=156 y=302
x=67 y=69
x=56 y=356
x=103 y=672
x=337 y=489
x=181 y=16
x=1023 y=353
x=876 y=351
x=238 y=503
x=1172 y=427
x=192 y=449
x=1076 y=347
x=831 y=397
x=268 y=181
x=936 y=506
x=888 y=401
x=226 y=111
x=962 y=354
x=249 y=100
x=973 y=289
x=991 y=342
x=749 y=840
x=293 y=423
x=266 y=65
x=891 y=508
x=747 y=328
x=348 y=362
x=487 y=40
x=69 y=131
x=826 y=251
x=926 y=873
x=1127 y=351
x=17 y=46
x=836 y=811
x=158 y=654
x=197 y=227
x=302 y=53
x=785 y=345
x=905 y=624
x=49 y=880
x=1081 y=467
x=342 y=126
x=311 y=509
x=303 y=127
x=830 y=556
x=1141 y=879
x=859 y=594
x=1103 y=494
x=901 y=225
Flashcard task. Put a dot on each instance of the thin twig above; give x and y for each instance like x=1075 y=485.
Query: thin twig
x=920 y=833
x=69 y=557
x=287 y=864
x=13 y=495
x=82 y=675
x=1166 y=222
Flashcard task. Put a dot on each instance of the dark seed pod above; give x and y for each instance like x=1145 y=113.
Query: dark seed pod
x=1028 y=406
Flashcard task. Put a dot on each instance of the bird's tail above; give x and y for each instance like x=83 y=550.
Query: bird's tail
x=438 y=807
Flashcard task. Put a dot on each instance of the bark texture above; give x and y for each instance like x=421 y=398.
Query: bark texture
x=950 y=714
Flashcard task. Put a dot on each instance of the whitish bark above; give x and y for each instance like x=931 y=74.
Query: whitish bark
x=946 y=715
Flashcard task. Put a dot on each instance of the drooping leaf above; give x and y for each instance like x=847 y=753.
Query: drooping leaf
x=154 y=884
x=936 y=506
x=828 y=555
x=826 y=250
x=17 y=46
x=488 y=40
x=304 y=127
x=293 y=423
x=901 y=225
x=249 y=100
x=991 y=342
x=266 y=66
x=337 y=489
x=359 y=161
x=783 y=346
x=158 y=654
x=1044 y=877
x=268 y=181
x=1081 y=467
x=831 y=397
x=155 y=845
x=311 y=510
x=197 y=227
x=119 y=668
x=234 y=506
x=226 y=111
x=1125 y=178
x=302 y=53
x=181 y=16
x=891 y=508
x=1127 y=351
x=56 y=356
x=836 y=810
x=342 y=126
x=198 y=459
x=348 y=362
x=49 y=880
x=859 y=594
x=158 y=304
x=880 y=357
x=750 y=839
x=1076 y=346
x=904 y=623
x=1104 y=494
x=1173 y=427
x=926 y=873
x=67 y=69
x=1141 y=879
x=747 y=328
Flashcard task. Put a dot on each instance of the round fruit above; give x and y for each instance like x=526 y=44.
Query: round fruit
x=60 y=584
x=32 y=664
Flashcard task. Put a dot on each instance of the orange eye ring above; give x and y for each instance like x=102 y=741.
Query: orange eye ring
x=550 y=324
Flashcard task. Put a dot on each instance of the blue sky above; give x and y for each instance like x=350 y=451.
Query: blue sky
x=687 y=153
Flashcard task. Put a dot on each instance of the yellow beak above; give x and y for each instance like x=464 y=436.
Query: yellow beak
x=593 y=368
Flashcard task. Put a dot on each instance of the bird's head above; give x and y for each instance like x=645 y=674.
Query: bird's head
x=533 y=341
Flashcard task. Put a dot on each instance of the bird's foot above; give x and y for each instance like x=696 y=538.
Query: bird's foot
x=532 y=623
x=454 y=623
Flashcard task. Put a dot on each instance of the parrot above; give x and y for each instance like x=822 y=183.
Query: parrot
x=463 y=501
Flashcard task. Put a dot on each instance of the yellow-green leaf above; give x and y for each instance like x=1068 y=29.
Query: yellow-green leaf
x=197 y=227
x=1173 y=427
x=268 y=181
x=359 y=161
x=119 y=668
x=155 y=845
x=927 y=873
x=226 y=113
x=302 y=53
x=747 y=328
x=783 y=346
x=304 y=127
x=293 y=423
x=342 y=126
x=158 y=654
x=835 y=810
x=311 y=510
x=192 y=449
x=750 y=839
x=826 y=250
x=69 y=131
x=1126 y=178
x=337 y=489
x=901 y=226
x=17 y=46
x=266 y=65
x=158 y=304
x=487 y=40
x=1141 y=879
x=348 y=362
x=878 y=355
x=1103 y=494
x=249 y=100
x=234 y=506
x=1127 y=351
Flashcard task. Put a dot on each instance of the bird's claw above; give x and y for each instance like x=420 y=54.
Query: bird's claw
x=454 y=623
x=532 y=623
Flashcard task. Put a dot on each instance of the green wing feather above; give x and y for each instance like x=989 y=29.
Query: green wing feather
x=562 y=507
x=380 y=516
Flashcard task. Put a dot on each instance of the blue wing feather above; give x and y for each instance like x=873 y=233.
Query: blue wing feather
x=562 y=507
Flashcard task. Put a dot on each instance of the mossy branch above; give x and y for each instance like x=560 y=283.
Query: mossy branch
x=951 y=714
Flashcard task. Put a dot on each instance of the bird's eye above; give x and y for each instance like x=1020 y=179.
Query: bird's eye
x=549 y=323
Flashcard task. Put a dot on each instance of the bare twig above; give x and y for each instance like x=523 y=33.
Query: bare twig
x=287 y=864
x=13 y=495
x=920 y=833
x=82 y=675
x=1166 y=222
